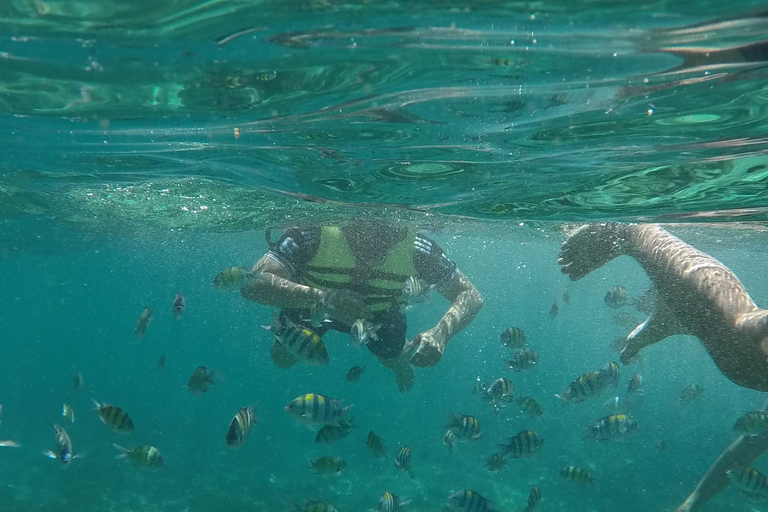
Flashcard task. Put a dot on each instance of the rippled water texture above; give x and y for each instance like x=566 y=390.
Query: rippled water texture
x=230 y=114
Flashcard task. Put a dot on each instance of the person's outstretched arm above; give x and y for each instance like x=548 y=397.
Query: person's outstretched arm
x=742 y=452
x=466 y=302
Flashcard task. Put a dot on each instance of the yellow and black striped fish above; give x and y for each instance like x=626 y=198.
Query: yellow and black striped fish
x=466 y=428
x=614 y=426
x=470 y=501
x=533 y=499
x=403 y=460
x=391 y=503
x=303 y=344
x=316 y=410
x=240 y=426
x=513 y=337
x=114 y=417
x=577 y=475
x=530 y=407
x=591 y=384
x=145 y=457
x=752 y=423
x=501 y=392
x=331 y=433
x=525 y=444
x=749 y=480
x=376 y=445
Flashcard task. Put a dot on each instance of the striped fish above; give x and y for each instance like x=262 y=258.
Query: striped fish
x=500 y=392
x=317 y=410
x=749 y=480
x=496 y=462
x=302 y=343
x=752 y=423
x=391 y=503
x=470 y=501
x=327 y=465
x=614 y=426
x=533 y=499
x=330 y=433
x=144 y=457
x=314 y=506
x=513 y=337
x=403 y=460
x=114 y=417
x=530 y=407
x=525 y=444
x=241 y=426
x=523 y=360
x=577 y=475
x=466 y=428
x=635 y=386
x=376 y=445
x=449 y=439
x=63 y=447
x=591 y=384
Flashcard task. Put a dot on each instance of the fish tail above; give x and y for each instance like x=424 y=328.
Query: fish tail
x=50 y=455
x=276 y=323
x=452 y=420
x=343 y=413
x=123 y=451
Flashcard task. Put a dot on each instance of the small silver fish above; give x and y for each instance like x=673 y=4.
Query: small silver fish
x=143 y=321
x=68 y=412
x=178 y=306
x=363 y=332
x=63 y=447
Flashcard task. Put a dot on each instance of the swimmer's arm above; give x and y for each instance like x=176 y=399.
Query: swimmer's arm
x=272 y=286
x=742 y=452
x=466 y=302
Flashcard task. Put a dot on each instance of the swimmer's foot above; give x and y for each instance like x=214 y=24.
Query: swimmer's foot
x=404 y=372
x=589 y=248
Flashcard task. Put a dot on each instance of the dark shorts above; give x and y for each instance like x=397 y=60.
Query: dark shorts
x=391 y=334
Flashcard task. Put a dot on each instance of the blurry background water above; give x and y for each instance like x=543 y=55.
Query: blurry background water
x=146 y=145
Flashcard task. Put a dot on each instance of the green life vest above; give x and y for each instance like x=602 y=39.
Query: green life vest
x=334 y=266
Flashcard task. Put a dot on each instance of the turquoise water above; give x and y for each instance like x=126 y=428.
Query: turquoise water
x=147 y=145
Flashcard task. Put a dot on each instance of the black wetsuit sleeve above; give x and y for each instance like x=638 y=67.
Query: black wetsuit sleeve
x=295 y=248
x=432 y=265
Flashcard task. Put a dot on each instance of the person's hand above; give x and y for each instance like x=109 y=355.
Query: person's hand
x=429 y=349
x=345 y=306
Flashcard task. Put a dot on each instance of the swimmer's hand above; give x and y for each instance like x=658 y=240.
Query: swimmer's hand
x=345 y=306
x=428 y=346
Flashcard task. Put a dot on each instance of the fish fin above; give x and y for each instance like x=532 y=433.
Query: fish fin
x=405 y=502
x=661 y=324
x=452 y=420
x=50 y=455
x=276 y=323
x=373 y=332
x=123 y=451
x=7 y=443
x=97 y=404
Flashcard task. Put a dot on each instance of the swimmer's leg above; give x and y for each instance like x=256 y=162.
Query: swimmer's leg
x=404 y=372
x=590 y=247
x=661 y=324
x=742 y=452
